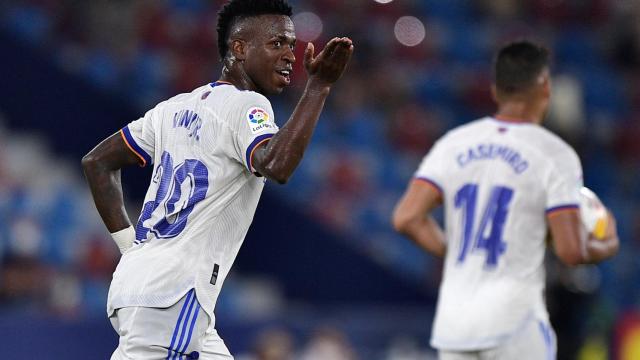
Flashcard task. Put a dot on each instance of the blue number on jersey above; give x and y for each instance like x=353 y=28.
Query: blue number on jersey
x=192 y=176
x=466 y=197
x=492 y=221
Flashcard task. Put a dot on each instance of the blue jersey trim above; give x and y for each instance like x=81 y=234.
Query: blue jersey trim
x=193 y=322
x=254 y=144
x=562 y=207
x=177 y=354
x=547 y=334
x=430 y=182
x=218 y=83
x=146 y=159
x=175 y=330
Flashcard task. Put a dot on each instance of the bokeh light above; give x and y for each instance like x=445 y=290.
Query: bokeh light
x=308 y=26
x=409 y=31
x=383 y=1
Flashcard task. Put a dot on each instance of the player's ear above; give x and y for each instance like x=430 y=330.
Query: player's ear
x=494 y=93
x=546 y=86
x=238 y=49
x=545 y=83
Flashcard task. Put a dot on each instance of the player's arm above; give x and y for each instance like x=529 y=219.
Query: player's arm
x=573 y=245
x=411 y=217
x=101 y=167
x=281 y=155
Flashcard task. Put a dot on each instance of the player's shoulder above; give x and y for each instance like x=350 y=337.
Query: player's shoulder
x=549 y=143
x=235 y=107
x=464 y=131
x=231 y=95
x=548 y=149
x=243 y=99
x=228 y=99
x=177 y=102
x=186 y=96
x=216 y=92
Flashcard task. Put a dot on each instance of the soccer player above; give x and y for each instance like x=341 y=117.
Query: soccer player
x=503 y=181
x=211 y=150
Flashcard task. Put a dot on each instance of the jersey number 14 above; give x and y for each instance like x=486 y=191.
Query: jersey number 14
x=488 y=235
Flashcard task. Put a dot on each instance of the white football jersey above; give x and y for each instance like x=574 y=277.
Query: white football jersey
x=498 y=180
x=201 y=199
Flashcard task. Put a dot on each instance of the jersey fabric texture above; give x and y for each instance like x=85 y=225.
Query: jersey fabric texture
x=144 y=333
x=202 y=196
x=498 y=181
x=535 y=341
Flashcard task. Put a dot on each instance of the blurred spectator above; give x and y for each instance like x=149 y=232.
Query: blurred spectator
x=21 y=280
x=567 y=113
x=627 y=343
x=414 y=129
x=274 y=344
x=46 y=252
x=328 y=343
x=407 y=348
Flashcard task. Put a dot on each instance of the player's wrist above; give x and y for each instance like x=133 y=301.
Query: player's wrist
x=317 y=87
x=124 y=238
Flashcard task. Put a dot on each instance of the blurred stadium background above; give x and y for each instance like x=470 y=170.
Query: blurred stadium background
x=321 y=274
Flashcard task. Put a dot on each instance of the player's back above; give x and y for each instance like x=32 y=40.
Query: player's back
x=496 y=179
x=201 y=198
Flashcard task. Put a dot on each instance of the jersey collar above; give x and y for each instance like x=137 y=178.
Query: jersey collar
x=219 y=82
x=510 y=120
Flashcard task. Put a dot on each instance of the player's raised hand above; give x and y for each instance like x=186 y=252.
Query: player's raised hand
x=330 y=63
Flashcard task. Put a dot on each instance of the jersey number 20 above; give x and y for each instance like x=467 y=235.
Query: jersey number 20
x=488 y=235
x=178 y=191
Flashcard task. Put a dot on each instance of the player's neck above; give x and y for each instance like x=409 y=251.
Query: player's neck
x=237 y=78
x=521 y=112
x=239 y=83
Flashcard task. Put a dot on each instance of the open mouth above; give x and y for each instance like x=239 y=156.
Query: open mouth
x=285 y=75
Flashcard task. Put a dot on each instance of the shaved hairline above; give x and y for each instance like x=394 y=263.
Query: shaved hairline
x=236 y=28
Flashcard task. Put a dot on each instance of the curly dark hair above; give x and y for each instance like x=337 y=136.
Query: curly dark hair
x=241 y=9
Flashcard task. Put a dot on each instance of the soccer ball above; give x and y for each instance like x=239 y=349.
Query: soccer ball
x=593 y=213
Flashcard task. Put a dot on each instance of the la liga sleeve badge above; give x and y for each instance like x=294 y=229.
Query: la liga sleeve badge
x=259 y=120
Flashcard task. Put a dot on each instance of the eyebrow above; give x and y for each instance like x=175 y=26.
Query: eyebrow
x=284 y=38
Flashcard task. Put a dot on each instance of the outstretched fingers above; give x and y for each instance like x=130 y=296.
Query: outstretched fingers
x=308 y=55
x=343 y=51
x=329 y=48
x=329 y=64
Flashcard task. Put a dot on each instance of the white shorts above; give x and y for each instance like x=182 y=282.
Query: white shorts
x=180 y=331
x=537 y=341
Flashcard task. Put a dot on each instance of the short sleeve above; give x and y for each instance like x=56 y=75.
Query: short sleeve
x=563 y=181
x=139 y=135
x=255 y=126
x=431 y=169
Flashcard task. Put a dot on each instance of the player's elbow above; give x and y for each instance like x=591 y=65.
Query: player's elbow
x=276 y=163
x=278 y=174
x=281 y=181
x=93 y=163
x=401 y=222
x=277 y=177
x=88 y=162
x=281 y=178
